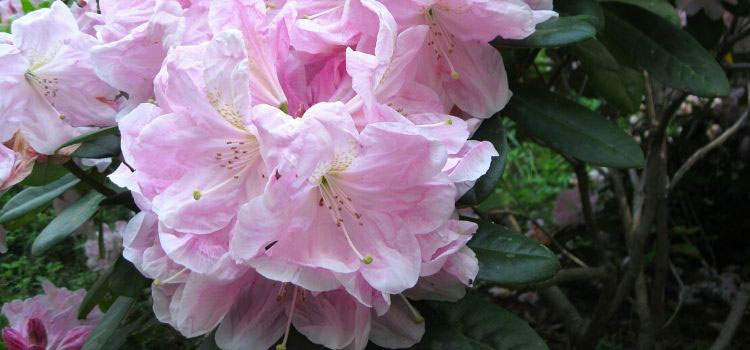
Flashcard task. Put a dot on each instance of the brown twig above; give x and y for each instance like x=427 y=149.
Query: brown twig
x=700 y=153
x=733 y=320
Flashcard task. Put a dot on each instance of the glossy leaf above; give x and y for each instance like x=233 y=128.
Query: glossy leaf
x=492 y=131
x=66 y=222
x=593 y=52
x=589 y=8
x=90 y=136
x=102 y=147
x=126 y=280
x=510 y=259
x=109 y=324
x=44 y=173
x=95 y=294
x=475 y=324
x=555 y=32
x=33 y=198
x=572 y=129
x=661 y=8
x=668 y=53
x=624 y=87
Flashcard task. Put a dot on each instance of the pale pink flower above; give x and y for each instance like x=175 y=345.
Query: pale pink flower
x=254 y=312
x=130 y=63
x=358 y=199
x=196 y=156
x=51 y=93
x=112 y=247
x=448 y=265
x=16 y=161
x=48 y=321
x=457 y=60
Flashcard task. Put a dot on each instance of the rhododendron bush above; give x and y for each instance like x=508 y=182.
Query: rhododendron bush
x=297 y=172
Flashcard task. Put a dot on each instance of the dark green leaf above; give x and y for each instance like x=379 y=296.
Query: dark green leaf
x=593 y=52
x=208 y=343
x=572 y=129
x=27 y=6
x=660 y=7
x=126 y=280
x=555 y=32
x=109 y=324
x=623 y=87
x=66 y=222
x=95 y=294
x=34 y=197
x=475 y=324
x=102 y=147
x=90 y=136
x=44 y=173
x=511 y=259
x=44 y=4
x=589 y=8
x=492 y=131
x=669 y=54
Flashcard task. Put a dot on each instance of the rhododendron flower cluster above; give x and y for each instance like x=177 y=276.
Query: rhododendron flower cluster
x=296 y=163
x=48 y=321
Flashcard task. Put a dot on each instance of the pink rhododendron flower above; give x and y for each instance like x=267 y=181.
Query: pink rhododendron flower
x=51 y=93
x=457 y=60
x=99 y=260
x=254 y=312
x=48 y=321
x=359 y=199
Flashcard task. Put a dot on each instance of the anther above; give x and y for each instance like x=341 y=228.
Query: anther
x=62 y=116
x=455 y=75
x=367 y=260
x=197 y=194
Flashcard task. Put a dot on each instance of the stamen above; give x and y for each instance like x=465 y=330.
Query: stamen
x=441 y=41
x=414 y=312
x=158 y=282
x=447 y=121
x=282 y=346
x=329 y=196
x=197 y=194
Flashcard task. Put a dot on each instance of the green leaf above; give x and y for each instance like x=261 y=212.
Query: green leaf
x=475 y=324
x=572 y=129
x=668 y=53
x=126 y=280
x=624 y=87
x=491 y=130
x=555 y=32
x=89 y=137
x=101 y=147
x=621 y=86
x=511 y=259
x=44 y=173
x=34 y=197
x=109 y=324
x=659 y=7
x=27 y=6
x=94 y=295
x=589 y=8
x=66 y=222
x=44 y=4
x=593 y=52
